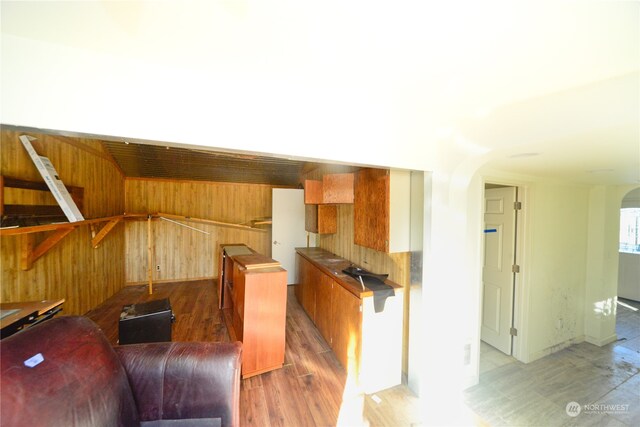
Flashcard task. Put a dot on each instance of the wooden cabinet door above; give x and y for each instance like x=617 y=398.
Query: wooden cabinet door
x=346 y=328
x=327 y=219
x=312 y=192
x=371 y=209
x=337 y=188
x=324 y=304
x=321 y=219
x=237 y=315
x=299 y=289
x=263 y=343
x=310 y=274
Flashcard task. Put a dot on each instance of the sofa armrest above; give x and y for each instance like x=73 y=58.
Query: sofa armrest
x=184 y=380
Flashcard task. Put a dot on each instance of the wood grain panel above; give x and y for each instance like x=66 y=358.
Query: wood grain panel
x=264 y=319
x=337 y=188
x=346 y=329
x=312 y=192
x=324 y=288
x=371 y=214
x=73 y=269
x=327 y=219
x=180 y=252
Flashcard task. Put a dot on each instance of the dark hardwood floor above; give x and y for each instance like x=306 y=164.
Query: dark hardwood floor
x=311 y=389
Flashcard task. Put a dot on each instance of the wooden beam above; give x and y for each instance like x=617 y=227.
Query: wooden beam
x=26 y=250
x=35 y=211
x=24 y=184
x=104 y=231
x=210 y=222
x=50 y=242
x=50 y=227
x=31 y=254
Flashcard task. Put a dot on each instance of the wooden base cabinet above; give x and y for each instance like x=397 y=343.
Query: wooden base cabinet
x=255 y=301
x=367 y=344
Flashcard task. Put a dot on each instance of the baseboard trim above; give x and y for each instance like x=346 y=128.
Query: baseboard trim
x=601 y=342
x=194 y=279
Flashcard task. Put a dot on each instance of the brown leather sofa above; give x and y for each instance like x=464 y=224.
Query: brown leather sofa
x=77 y=378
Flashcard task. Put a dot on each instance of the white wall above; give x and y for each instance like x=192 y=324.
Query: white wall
x=556 y=268
x=603 y=262
x=629 y=264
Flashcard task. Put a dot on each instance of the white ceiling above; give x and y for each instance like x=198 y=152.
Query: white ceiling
x=414 y=85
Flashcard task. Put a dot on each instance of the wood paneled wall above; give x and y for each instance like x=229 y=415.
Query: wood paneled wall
x=73 y=270
x=397 y=265
x=181 y=253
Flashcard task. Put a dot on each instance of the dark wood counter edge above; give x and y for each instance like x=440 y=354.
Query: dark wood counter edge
x=334 y=270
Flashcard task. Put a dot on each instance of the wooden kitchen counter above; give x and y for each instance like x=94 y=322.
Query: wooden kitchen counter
x=332 y=265
x=362 y=327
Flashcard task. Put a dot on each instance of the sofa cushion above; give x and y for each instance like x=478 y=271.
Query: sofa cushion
x=184 y=380
x=78 y=381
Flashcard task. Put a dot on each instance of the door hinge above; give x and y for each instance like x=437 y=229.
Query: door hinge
x=515 y=268
x=513 y=332
x=360 y=308
x=517 y=205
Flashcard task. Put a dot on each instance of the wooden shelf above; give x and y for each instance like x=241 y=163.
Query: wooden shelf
x=31 y=252
x=30 y=214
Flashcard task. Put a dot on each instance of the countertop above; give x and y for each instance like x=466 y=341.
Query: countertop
x=332 y=265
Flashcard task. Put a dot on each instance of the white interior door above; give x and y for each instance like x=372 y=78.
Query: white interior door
x=287 y=229
x=497 y=276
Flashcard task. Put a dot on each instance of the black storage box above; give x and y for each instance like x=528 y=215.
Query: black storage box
x=145 y=322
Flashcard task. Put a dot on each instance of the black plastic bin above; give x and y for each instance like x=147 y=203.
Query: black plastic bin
x=146 y=322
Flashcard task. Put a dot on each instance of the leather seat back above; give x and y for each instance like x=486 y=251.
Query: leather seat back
x=79 y=380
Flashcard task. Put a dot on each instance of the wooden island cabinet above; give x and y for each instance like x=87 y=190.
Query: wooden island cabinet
x=367 y=343
x=253 y=295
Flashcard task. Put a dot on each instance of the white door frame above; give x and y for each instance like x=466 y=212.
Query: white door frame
x=521 y=288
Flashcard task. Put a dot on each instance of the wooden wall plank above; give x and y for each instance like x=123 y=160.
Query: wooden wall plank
x=73 y=270
x=185 y=254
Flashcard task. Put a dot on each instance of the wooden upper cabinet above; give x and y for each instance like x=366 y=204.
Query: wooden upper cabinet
x=381 y=213
x=321 y=219
x=312 y=192
x=337 y=188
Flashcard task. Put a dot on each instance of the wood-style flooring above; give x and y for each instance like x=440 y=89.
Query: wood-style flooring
x=311 y=389
x=604 y=381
